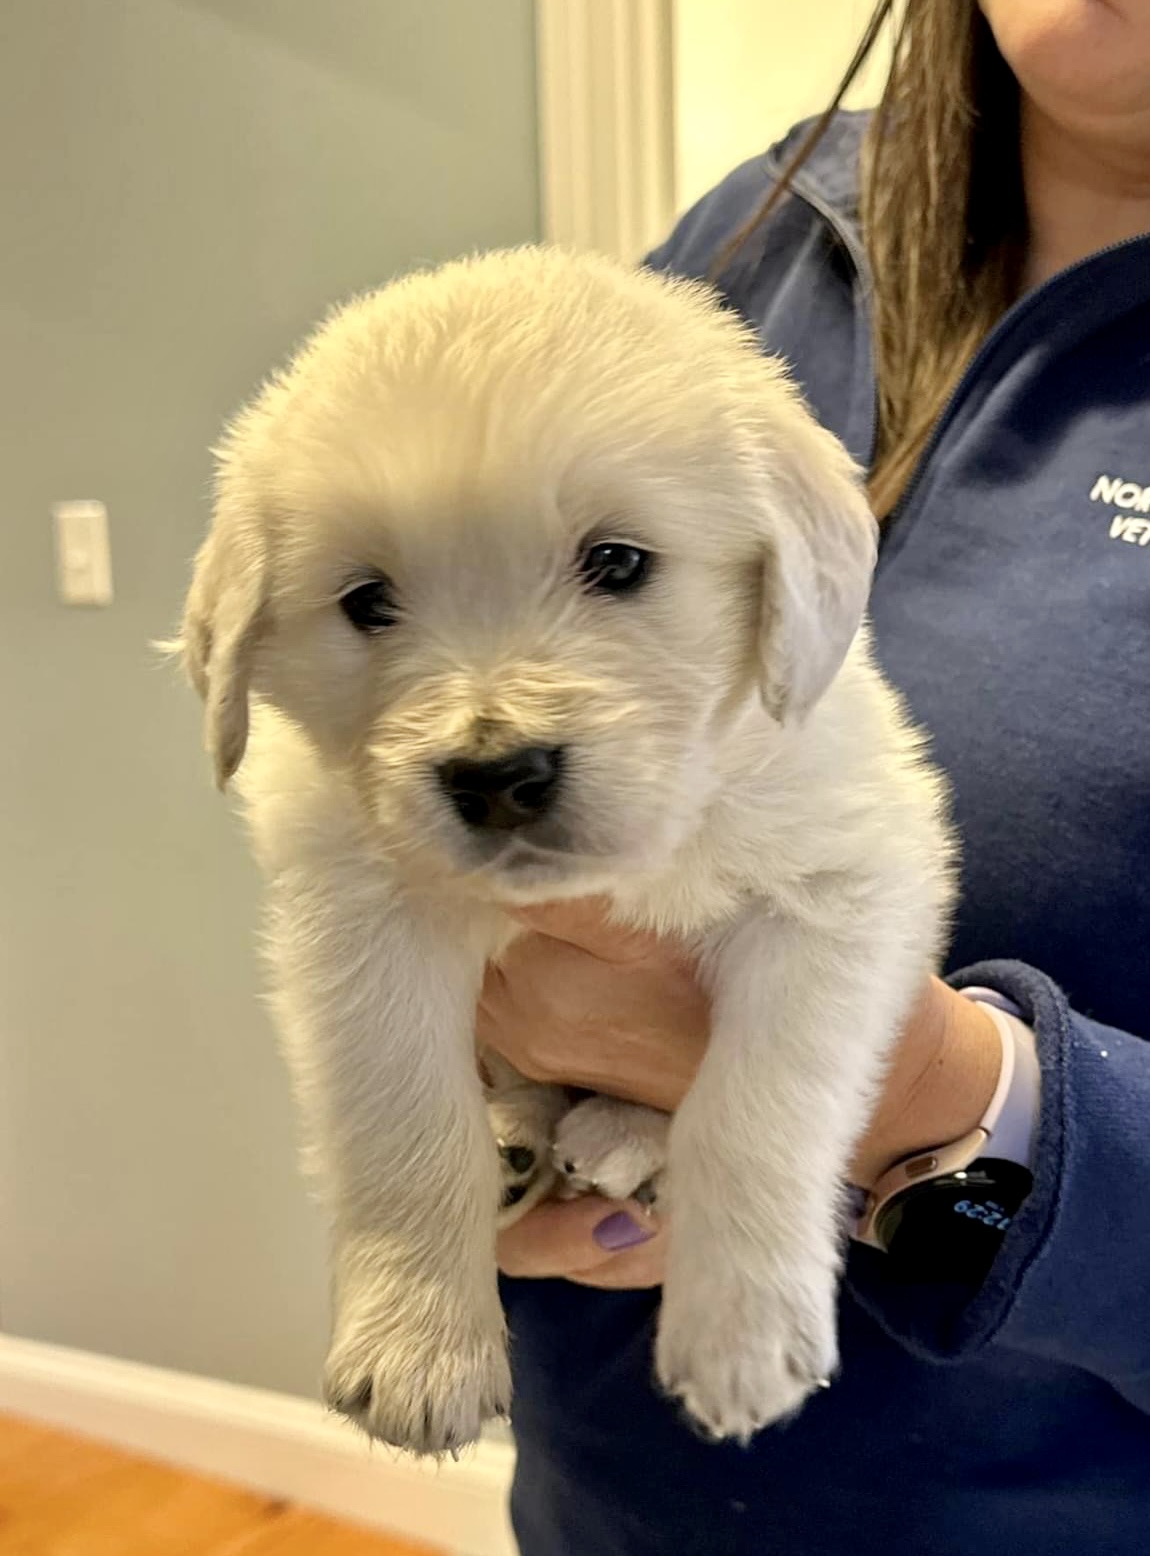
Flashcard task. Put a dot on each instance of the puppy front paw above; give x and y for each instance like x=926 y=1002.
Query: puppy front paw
x=613 y=1148
x=739 y=1354
x=428 y=1393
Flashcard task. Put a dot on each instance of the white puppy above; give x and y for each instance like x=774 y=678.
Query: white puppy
x=535 y=580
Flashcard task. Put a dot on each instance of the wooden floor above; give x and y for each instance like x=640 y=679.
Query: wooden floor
x=65 y=1496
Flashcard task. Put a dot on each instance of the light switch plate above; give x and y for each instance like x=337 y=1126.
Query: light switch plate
x=83 y=558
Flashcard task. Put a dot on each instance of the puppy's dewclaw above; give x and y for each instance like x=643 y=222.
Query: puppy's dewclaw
x=531 y=578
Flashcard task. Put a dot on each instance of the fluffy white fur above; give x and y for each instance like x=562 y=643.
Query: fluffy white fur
x=738 y=775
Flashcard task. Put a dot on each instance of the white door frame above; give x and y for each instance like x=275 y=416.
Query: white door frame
x=606 y=122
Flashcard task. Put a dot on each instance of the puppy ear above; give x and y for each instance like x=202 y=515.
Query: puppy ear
x=223 y=620
x=817 y=574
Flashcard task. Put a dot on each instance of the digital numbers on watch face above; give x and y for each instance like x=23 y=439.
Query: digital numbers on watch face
x=950 y=1229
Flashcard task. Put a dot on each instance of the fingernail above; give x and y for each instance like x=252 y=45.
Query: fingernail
x=620 y=1231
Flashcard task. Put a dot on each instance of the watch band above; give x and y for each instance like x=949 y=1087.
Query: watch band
x=1009 y=1118
x=1018 y=1119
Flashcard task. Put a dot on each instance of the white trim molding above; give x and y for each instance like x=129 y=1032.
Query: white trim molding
x=271 y=1443
x=606 y=123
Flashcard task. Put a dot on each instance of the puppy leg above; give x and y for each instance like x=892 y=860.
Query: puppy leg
x=523 y=1116
x=758 y=1157
x=613 y=1148
x=376 y=1004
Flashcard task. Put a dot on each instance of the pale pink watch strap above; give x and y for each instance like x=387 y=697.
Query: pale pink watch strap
x=1012 y=1117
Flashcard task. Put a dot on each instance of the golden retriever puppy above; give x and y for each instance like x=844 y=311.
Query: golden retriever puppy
x=532 y=578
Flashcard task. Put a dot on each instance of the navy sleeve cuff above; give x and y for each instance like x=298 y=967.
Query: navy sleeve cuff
x=1071 y=1278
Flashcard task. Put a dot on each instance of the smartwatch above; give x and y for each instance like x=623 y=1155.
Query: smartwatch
x=941 y=1214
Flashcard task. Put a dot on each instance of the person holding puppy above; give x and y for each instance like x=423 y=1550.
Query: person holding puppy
x=961 y=284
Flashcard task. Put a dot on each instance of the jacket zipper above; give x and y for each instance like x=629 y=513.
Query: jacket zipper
x=849 y=240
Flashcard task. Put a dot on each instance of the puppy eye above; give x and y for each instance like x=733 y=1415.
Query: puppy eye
x=614 y=566
x=371 y=606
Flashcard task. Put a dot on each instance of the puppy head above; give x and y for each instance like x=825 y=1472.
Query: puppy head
x=515 y=544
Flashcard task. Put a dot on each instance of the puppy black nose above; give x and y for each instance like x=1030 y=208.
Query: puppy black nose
x=500 y=796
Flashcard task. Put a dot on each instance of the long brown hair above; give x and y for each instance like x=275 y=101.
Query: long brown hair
x=943 y=214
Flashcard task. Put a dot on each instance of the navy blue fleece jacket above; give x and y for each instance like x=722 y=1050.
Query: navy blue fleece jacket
x=1012 y=607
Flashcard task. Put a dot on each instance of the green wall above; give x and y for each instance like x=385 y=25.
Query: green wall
x=183 y=188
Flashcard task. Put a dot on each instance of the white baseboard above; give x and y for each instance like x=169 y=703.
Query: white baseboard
x=272 y=1443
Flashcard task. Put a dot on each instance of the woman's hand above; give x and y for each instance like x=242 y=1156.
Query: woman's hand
x=589 y=1241
x=583 y=1003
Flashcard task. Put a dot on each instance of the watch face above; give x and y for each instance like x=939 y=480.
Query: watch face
x=951 y=1228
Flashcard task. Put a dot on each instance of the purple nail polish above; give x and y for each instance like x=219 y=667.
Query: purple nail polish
x=620 y=1231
